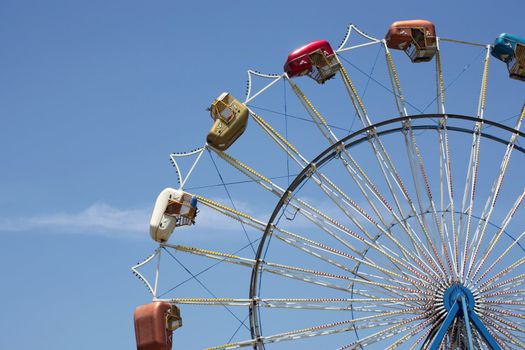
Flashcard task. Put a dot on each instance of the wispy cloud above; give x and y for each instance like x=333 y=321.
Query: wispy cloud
x=99 y=218
x=104 y=219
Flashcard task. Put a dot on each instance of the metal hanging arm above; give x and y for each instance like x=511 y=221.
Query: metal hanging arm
x=135 y=270
x=157 y=271
x=351 y=28
x=173 y=157
x=249 y=96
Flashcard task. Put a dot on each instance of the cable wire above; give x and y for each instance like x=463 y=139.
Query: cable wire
x=379 y=83
x=207 y=269
x=238 y=182
x=231 y=199
x=367 y=83
x=467 y=67
x=299 y=118
x=204 y=286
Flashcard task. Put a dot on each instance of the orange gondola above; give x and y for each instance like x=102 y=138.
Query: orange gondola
x=416 y=37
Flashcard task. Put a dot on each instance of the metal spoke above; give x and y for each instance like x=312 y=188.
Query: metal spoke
x=329 y=190
x=384 y=159
x=493 y=196
x=503 y=337
x=495 y=239
x=294 y=272
x=345 y=157
x=488 y=285
x=471 y=179
x=334 y=304
x=445 y=163
x=389 y=332
x=321 y=330
x=313 y=248
x=306 y=244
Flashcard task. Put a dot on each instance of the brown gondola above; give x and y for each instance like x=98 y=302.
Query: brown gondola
x=154 y=325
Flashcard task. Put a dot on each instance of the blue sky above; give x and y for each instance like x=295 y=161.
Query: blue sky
x=94 y=96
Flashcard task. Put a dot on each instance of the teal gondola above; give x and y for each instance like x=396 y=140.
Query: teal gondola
x=511 y=50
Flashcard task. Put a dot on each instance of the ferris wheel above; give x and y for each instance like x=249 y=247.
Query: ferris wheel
x=404 y=232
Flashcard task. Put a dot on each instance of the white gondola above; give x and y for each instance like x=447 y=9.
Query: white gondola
x=172 y=208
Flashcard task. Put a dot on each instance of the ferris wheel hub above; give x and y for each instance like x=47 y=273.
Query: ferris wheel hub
x=455 y=293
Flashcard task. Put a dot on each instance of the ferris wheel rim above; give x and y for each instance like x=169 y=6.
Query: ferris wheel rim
x=330 y=153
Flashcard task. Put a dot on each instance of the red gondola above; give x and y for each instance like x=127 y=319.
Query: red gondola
x=316 y=59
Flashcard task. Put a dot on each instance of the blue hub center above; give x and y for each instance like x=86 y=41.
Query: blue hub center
x=459 y=303
x=454 y=293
